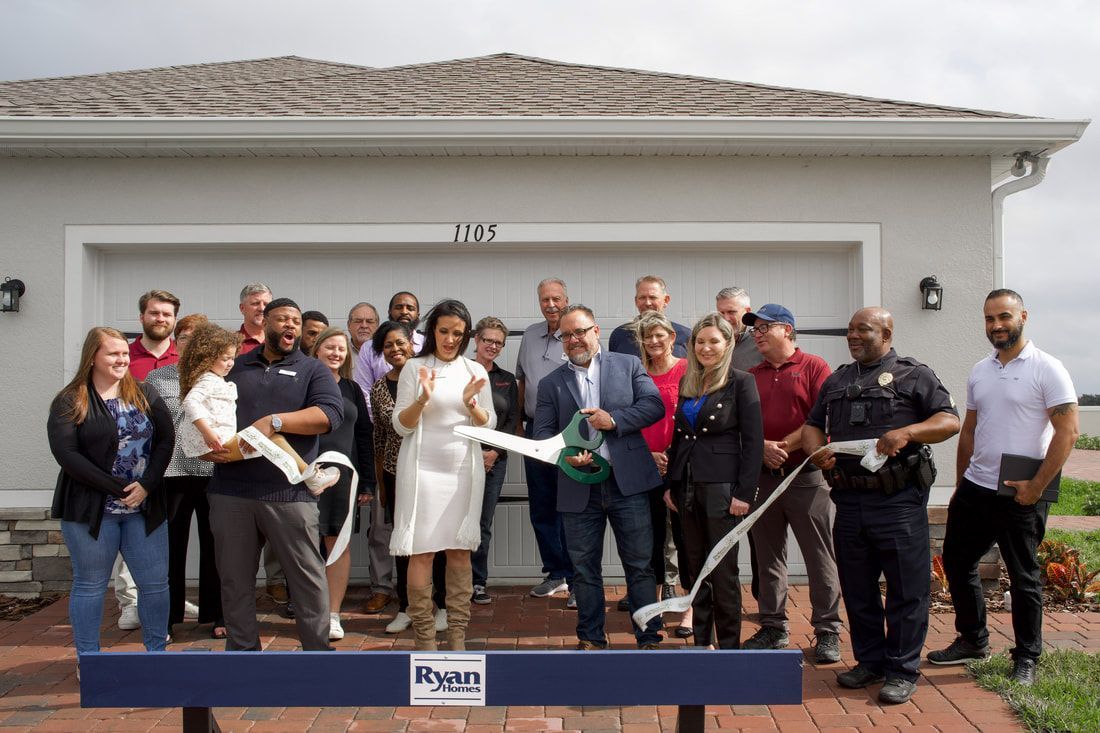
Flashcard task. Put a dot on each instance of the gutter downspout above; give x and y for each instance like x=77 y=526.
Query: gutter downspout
x=1033 y=178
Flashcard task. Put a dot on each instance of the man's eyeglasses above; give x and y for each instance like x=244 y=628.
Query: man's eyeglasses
x=765 y=326
x=577 y=334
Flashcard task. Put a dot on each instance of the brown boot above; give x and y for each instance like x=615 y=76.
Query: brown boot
x=460 y=588
x=423 y=620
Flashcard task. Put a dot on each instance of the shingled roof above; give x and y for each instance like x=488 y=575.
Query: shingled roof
x=501 y=85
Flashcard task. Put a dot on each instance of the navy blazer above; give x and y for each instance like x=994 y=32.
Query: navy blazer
x=630 y=396
x=726 y=445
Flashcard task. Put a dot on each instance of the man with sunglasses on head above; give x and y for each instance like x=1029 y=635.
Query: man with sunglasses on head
x=881 y=525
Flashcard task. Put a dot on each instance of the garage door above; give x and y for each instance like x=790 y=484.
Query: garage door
x=817 y=284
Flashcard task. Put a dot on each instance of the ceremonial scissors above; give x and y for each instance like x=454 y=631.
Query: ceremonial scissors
x=567 y=443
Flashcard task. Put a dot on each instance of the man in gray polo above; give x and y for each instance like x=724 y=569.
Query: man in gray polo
x=541 y=352
x=733 y=303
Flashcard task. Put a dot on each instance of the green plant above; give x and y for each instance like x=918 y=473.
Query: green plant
x=1088 y=442
x=938 y=572
x=1087 y=544
x=1091 y=506
x=1055 y=552
x=1072 y=581
x=1063 y=697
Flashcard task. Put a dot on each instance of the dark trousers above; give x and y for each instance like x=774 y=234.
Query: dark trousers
x=542 y=500
x=875 y=534
x=705 y=518
x=584 y=531
x=401 y=564
x=494 y=481
x=186 y=496
x=976 y=518
x=658 y=513
x=687 y=578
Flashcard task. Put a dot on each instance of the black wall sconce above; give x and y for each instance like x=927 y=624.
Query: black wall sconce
x=931 y=294
x=10 y=293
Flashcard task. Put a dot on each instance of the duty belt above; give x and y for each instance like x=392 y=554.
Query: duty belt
x=897 y=474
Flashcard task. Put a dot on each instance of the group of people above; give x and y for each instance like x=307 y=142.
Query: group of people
x=700 y=427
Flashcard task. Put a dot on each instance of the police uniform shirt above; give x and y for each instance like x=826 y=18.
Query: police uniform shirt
x=860 y=401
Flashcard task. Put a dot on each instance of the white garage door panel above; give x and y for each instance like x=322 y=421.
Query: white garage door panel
x=818 y=285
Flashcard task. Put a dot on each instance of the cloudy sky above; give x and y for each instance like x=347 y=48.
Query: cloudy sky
x=1007 y=55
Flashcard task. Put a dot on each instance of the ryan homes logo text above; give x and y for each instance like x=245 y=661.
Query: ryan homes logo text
x=447 y=679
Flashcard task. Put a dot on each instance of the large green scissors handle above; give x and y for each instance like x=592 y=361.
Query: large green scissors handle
x=576 y=443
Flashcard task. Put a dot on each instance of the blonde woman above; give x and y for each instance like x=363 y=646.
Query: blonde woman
x=713 y=467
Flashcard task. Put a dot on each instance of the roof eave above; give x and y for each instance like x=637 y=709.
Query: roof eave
x=831 y=135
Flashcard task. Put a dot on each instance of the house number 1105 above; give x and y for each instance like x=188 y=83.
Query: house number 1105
x=475 y=232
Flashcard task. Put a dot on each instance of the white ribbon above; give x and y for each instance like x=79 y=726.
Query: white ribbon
x=289 y=468
x=872 y=461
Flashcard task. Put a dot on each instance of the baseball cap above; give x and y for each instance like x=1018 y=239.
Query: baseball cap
x=771 y=312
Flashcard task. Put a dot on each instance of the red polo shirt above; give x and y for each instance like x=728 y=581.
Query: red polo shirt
x=247 y=342
x=787 y=393
x=142 y=362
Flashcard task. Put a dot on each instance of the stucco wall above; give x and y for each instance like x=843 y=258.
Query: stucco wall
x=934 y=214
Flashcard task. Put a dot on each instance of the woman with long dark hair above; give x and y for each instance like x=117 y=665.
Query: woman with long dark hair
x=713 y=468
x=441 y=476
x=113 y=439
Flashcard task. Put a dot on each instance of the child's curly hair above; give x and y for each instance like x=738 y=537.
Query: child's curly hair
x=208 y=342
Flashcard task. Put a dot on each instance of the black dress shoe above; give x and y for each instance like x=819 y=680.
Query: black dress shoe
x=1023 y=671
x=683 y=632
x=896 y=691
x=624 y=604
x=858 y=677
x=288 y=610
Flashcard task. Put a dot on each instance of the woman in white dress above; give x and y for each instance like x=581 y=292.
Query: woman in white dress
x=440 y=475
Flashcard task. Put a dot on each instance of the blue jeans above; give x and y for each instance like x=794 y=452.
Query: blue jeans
x=542 y=498
x=494 y=481
x=584 y=531
x=93 y=558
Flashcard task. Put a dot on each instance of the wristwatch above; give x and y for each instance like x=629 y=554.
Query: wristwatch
x=276 y=423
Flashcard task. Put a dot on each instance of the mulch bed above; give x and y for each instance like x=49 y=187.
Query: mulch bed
x=995 y=600
x=17 y=609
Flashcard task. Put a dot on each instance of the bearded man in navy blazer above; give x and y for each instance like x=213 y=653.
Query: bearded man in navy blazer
x=620 y=399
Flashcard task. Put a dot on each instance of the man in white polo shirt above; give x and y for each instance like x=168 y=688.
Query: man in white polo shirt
x=1019 y=400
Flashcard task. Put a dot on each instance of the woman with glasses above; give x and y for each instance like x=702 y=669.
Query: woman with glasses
x=656 y=337
x=713 y=468
x=489 y=338
x=440 y=476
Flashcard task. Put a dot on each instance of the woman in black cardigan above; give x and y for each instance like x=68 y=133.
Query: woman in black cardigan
x=113 y=439
x=713 y=467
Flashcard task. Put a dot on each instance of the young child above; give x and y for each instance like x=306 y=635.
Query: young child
x=209 y=402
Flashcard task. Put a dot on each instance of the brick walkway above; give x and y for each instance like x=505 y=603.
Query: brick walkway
x=38 y=689
x=1083 y=464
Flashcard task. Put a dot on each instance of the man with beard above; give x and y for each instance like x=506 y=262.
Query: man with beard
x=404 y=308
x=157 y=311
x=154 y=348
x=541 y=352
x=313 y=323
x=1019 y=400
x=620 y=399
x=279 y=390
x=881 y=523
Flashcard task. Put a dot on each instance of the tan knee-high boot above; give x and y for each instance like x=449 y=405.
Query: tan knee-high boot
x=423 y=620
x=460 y=587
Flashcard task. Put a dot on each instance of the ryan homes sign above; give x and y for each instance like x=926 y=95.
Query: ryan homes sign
x=447 y=679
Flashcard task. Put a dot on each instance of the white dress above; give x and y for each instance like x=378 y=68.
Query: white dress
x=214 y=400
x=440 y=475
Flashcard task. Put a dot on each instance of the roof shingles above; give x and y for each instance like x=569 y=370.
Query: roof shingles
x=501 y=85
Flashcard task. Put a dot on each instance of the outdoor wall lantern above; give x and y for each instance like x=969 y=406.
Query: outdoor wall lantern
x=10 y=293
x=931 y=294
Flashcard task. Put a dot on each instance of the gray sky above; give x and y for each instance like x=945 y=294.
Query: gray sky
x=1003 y=55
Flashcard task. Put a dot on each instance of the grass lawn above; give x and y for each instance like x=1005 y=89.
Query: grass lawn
x=1086 y=543
x=1072 y=496
x=1063 y=698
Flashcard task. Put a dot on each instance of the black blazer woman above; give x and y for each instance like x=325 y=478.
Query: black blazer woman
x=113 y=439
x=713 y=468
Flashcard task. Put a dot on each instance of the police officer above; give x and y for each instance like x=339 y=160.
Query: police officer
x=881 y=523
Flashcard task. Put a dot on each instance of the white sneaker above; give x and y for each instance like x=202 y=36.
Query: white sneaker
x=335 y=630
x=441 y=619
x=128 y=619
x=190 y=610
x=322 y=479
x=400 y=622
